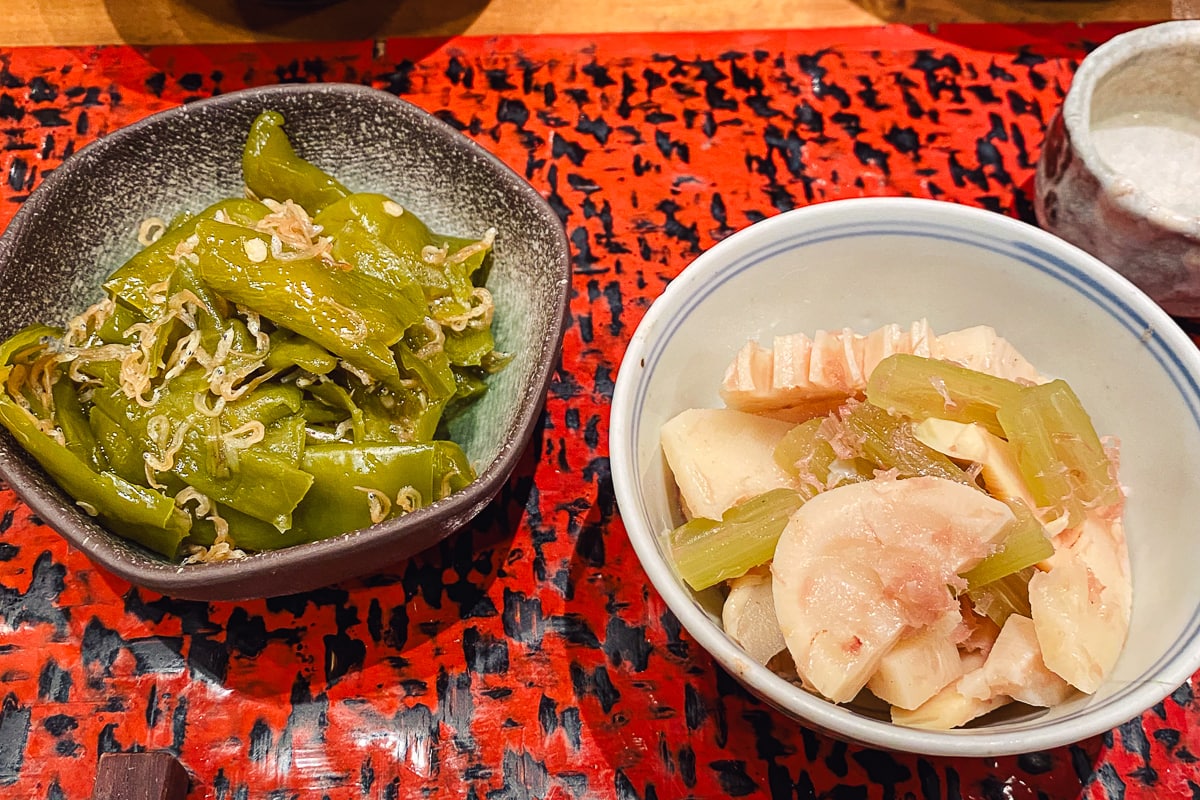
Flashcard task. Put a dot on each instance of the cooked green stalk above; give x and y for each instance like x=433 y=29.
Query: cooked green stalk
x=1025 y=544
x=707 y=552
x=806 y=454
x=1059 y=453
x=920 y=388
x=888 y=441
x=802 y=452
x=1004 y=597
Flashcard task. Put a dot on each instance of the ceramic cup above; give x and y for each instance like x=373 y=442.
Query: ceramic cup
x=1119 y=173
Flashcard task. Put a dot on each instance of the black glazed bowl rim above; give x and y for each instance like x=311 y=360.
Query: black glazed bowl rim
x=299 y=567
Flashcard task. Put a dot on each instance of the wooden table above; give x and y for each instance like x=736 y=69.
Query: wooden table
x=77 y=22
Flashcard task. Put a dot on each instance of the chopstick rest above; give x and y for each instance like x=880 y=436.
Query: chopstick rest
x=140 y=776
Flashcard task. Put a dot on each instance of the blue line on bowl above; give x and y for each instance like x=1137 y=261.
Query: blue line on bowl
x=1028 y=254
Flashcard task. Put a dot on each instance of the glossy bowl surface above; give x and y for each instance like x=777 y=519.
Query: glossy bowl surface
x=866 y=262
x=1121 y=159
x=81 y=223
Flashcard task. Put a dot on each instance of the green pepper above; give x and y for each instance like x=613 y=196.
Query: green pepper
x=330 y=342
x=383 y=218
x=131 y=282
x=121 y=452
x=29 y=339
x=246 y=532
x=144 y=515
x=289 y=350
x=266 y=404
x=73 y=422
x=433 y=371
x=400 y=416
x=261 y=484
x=338 y=502
x=353 y=244
x=407 y=237
x=213 y=314
x=469 y=387
x=428 y=418
x=114 y=329
x=317 y=412
x=336 y=396
x=285 y=438
x=272 y=168
x=469 y=347
x=24 y=350
x=351 y=315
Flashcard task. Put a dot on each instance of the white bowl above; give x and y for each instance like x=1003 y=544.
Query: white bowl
x=865 y=262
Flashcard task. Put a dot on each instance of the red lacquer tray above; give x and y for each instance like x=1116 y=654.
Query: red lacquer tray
x=527 y=657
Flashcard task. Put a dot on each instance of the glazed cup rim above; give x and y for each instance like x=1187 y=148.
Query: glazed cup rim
x=1077 y=117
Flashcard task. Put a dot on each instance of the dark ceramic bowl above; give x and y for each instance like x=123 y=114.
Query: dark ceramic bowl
x=81 y=224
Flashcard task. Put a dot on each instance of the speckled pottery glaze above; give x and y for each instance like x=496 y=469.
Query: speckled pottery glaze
x=81 y=223
x=1120 y=166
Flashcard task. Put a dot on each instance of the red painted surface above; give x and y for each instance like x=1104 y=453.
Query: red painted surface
x=527 y=657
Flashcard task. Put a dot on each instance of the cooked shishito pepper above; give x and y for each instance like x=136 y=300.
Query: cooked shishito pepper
x=349 y=314
x=271 y=168
x=268 y=372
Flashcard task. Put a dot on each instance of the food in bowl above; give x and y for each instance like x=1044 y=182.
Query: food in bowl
x=923 y=517
x=865 y=262
x=269 y=371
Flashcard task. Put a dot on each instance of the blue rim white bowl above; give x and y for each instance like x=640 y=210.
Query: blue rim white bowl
x=864 y=262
